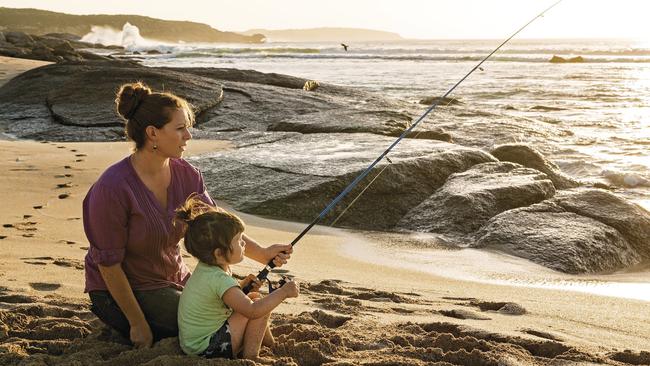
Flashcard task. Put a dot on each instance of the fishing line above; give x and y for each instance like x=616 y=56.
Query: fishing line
x=262 y=275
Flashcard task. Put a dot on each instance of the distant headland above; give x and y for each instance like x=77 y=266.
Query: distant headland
x=35 y=21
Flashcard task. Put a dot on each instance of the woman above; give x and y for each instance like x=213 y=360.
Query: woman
x=134 y=270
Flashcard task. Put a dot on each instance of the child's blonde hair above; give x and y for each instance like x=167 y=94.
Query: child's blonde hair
x=208 y=228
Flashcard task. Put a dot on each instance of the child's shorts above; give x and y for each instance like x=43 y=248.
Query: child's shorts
x=220 y=344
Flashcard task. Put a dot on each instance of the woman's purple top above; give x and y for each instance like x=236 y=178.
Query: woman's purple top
x=125 y=223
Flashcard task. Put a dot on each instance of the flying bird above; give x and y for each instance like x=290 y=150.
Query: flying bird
x=345 y=46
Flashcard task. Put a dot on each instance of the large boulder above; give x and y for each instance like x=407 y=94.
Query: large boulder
x=295 y=178
x=531 y=158
x=53 y=101
x=19 y=39
x=583 y=231
x=469 y=199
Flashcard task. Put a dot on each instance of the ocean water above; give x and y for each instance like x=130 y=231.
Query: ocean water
x=604 y=102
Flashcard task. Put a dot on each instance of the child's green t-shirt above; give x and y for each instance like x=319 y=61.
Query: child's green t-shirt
x=201 y=310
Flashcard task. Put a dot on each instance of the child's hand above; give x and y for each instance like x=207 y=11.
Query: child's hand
x=291 y=289
x=251 y=278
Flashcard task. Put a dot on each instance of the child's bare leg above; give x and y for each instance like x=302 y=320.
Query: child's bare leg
x=237 y=323
x=268 y=340
x=253 y=336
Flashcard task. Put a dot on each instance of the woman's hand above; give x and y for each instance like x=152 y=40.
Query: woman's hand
x=251 y=278
x=141 y=336
x=280 y=253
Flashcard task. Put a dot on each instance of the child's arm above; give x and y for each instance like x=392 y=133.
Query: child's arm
x=235 y=298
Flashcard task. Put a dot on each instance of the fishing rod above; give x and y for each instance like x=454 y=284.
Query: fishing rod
x=263 y=274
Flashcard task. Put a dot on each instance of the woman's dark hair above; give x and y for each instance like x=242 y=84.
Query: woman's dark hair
x=141 y=107
x=208 y=228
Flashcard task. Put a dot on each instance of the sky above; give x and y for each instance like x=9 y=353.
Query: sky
x=422 y=19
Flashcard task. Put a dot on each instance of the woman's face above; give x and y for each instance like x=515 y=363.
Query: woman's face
x=172 y=138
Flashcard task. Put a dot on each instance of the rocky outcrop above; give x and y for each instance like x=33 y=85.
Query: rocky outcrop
x=582 y=231
x=531 y=158
x=314 y=168
x=76 y=101
x=560 y=60
x=440 y=101
x=46 y=48
x=469 y=199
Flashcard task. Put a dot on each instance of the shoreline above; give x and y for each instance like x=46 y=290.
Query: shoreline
x=43 y=250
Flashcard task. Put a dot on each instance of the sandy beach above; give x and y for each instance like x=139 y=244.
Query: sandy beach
x=350 y=311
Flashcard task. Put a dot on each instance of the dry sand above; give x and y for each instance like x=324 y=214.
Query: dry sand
x=350 y=311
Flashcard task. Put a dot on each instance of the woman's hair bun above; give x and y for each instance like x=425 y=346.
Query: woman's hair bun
x=129 y=98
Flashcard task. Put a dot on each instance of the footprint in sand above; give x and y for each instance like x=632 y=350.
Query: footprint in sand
x=64 y=262
x=7 y=225
x=67 y=241
x=44 y=286
x=508 y=308
x=540 y=334
x=78 y=160
x=73 y=218
x=64 y=185
x=73 y=150
x=67 y=167
x=80 y=155
x=64 y=196
x=60 y=147
x=38 y=263
x=38 y=207
x=26 y=216
x=462 y=314
x=2 y=237
x=28 y=235
x=83 y=248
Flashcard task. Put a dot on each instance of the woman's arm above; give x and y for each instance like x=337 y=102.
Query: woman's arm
x=121 y=291
x=240 y=303
x=280 y=253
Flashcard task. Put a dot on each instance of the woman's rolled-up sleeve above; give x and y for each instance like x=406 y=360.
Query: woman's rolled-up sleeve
x=202 y=191
x=106 y=225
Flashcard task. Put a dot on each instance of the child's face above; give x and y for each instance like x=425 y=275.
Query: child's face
x=238 y=247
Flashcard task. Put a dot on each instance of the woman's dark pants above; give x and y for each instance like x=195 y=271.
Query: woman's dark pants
x=159 y=306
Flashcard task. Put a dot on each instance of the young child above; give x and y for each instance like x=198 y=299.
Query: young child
x=215 y=317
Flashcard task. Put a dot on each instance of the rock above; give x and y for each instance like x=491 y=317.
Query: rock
x=469 y=199
x=574 y=232
x=314 y=168
x=19 y=39
x=51 y=102
x=310 y=85
x=441 y=102
x=531 y=158
x=381 y=122
x=153 y=52
x=42 y=52
x=248 y=76
x=629 y=219
x=65 y=36
x=558 y=59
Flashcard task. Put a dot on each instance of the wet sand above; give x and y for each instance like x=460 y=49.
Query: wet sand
x=350 y=312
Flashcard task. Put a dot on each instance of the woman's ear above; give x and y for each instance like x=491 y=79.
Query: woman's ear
x=151 y=132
